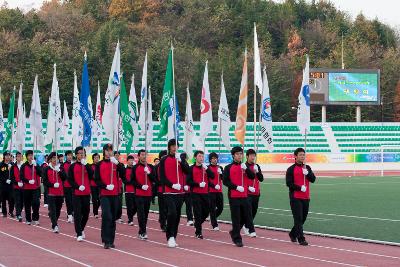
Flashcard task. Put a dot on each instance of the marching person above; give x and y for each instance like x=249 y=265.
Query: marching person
x=79 y=176
x=298 y=178
x=18 y=186
x=216 y=196
x=130 y=203
x=162 y=209
x=7 y=194
x=121 y=188
x=53 y=178
x=143 y=176
x=234 y=178
x=198 y=180
x=156 y=161
x=30 y=174
x=94 y=190
x=45 y=189
x=188 y=196
x=67 y=187
x=172 y=170
x=106 y=177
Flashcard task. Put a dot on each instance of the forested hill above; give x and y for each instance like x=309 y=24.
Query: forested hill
x=200 y=30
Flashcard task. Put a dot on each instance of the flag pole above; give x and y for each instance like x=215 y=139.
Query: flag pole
x=175 y=126
x=255 y=118
x=146 y=117
x=305 y=148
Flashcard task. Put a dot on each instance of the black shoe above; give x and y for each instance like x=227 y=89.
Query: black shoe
x=11 y=215
x=19 y=218
x=164 y=228
x=303 y=243
x=239 y=244
x=199 y=236
x=107 y=246
x=112 y=246
x=293 y=239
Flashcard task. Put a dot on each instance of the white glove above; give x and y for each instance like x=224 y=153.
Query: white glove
x=8 y=181
x=240 y=188
x=202 y=184
x=244 y=167
x=82 y=188
x=145 y=187
x=20 y=184
x=255 y=169
x=114 y=160
x=178 y=157
x=204 y=166
x=57 y=168
x=110 y=187
x=305 y=171
x=303 y=188
x=146 y=170
x=217 y=187
x=9 y=165
x=252 y=189
x=219 y=171
x=176 y=186
x=33 y=162
x=56 y=185
x=186 y=187
x=83 y=162
x=31 y=181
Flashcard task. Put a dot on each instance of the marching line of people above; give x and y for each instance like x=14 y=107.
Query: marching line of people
x=106 y=183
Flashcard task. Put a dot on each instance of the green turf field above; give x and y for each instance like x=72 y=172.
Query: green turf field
x=363 y=207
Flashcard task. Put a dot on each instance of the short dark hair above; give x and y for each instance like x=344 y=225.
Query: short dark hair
x=116 y=152
x=78 y=148
x=95 y=155
x=28 y=152
x=51 y=155
x=162 y=154
x=198 y=152
x=156 y=159
x=298 y=150
x=6 y=153
x=60 y=156
x=18 y=153
x=140 y=151
x=212 y=155
x=236 y=149
x=172 y=142
x=68 y=152
x=130 y=157
x=250 y=152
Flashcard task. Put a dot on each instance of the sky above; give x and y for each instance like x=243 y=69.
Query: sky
x=385 y=10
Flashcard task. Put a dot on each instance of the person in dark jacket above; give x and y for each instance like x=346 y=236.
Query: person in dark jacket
x=7 y=194
x=94 y=190
x=68 y=191
x=298 y=178
x=216 y=195
x=130 y=203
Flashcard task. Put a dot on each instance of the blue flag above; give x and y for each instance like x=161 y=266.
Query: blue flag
x=84 y=111
x=1 y=137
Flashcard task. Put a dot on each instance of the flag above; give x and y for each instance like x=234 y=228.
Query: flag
x=111 y=104
x=20 y=122
x=77 y=127
x=143 y=98
x=241 y=116
x=126 y=118
x=257 y=64
x=303 y=109
x=84 y=110
x=134 y=112
x=23 y=127
x=97 y=125
x=149 y=121
x=266 y=115
x=189 y=133
x=10 y=122
x=206 y=121
x=35 y=118
x=168 y=94
x=54 y=120
x=1 y=120
x=65 y=123
x=224 y=120
x=173 y=126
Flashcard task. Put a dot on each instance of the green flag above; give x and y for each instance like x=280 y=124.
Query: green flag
x=168 y=93
x=10 y=122
x=125 y=117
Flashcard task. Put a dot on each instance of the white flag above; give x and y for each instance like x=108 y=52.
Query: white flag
x=266 y=115
x=35 y=118
x=133 y=110
x=224 y=120
x=23 y=127
x=257 y=64
x=206 y=121
x=54 y=120
x=20 y=121
x=143 y=97
x=303 y=110
x=97 y=125
x=65 y=124
x=77 y=127
x=189 y=133
x=111 y=104
x=149 y=122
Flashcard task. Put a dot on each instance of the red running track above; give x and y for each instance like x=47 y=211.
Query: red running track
x=22 y=245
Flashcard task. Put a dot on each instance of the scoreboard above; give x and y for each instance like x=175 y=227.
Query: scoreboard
x=344 y=87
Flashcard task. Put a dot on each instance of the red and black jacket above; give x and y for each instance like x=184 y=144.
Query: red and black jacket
x=295 y=179
x=217 y=179
x=140 y=178
x=50 y=177
x=15 y=177
x=169 y=174
x=92 y=182
x=259 y=177
x=79 y=174
x=29 y=172
x=127 y=180
x=235 y=176
x=198 y=174
x=65 y=168
x=108 y=173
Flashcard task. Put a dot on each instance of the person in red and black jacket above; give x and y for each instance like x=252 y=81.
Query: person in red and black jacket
x=45 y=189
x=18 y=186
x=67 y=187
x=79 y=176
x=162 y=208
x=198 y=180
x=94 y=190
x=236 y=181
x=53 y=178
x=7 y=189
x=216 y=195
x=172 y=170
x=106 y=177
x=30 y=174
x=298 y=178
x=121 y=188
x=253 y=185
x=143 y=176
x=131 y=208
